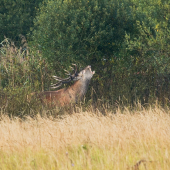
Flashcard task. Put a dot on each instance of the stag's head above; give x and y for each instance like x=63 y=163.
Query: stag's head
x=85 y=75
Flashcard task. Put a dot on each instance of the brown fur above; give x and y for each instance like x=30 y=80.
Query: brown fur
x=72 y=94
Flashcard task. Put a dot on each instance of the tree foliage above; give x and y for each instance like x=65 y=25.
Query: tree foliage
x=22 y=71
x=17 y=17
x=85 y=31
x=126 y=41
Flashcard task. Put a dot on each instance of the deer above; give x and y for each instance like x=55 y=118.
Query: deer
x=71 y=94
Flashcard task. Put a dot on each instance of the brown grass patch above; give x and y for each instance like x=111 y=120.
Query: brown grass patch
x=122 y=138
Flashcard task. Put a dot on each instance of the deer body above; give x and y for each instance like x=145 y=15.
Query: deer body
x=72 y=94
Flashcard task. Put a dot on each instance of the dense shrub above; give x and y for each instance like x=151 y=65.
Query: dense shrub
x=85 y=31
x=127 y=42
x=22 y=71
x=17 y=18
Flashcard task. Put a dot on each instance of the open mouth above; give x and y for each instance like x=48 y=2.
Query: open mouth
x=89 y=67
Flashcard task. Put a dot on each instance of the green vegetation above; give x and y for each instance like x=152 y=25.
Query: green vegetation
x=21 y=72
x=17 y=18
x=126 y=42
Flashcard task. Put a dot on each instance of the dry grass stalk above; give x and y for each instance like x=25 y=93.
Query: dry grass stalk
x=126 y=137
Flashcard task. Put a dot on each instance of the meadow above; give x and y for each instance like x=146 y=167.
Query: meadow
x=122 y=140
x=127 y=44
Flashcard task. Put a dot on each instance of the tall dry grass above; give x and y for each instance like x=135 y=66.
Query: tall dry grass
x=134 y=140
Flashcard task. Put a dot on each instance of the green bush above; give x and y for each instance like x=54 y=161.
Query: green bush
x=17 y=18
x=82 y=31
x=126 y=42
x=22 y=71
x=147 y=54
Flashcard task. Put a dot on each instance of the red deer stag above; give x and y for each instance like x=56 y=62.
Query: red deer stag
x=72 y=94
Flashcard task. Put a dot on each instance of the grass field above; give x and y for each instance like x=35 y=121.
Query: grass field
x=125 y=140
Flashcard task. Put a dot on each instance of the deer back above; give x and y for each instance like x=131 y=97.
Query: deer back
x=71 y=94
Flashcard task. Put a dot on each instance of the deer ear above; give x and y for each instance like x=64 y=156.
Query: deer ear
x=93 y=72
x=84 y=71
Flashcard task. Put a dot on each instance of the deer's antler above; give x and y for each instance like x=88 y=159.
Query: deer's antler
x=72 y=77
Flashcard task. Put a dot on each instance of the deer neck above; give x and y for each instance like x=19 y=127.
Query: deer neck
x=79 y=88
